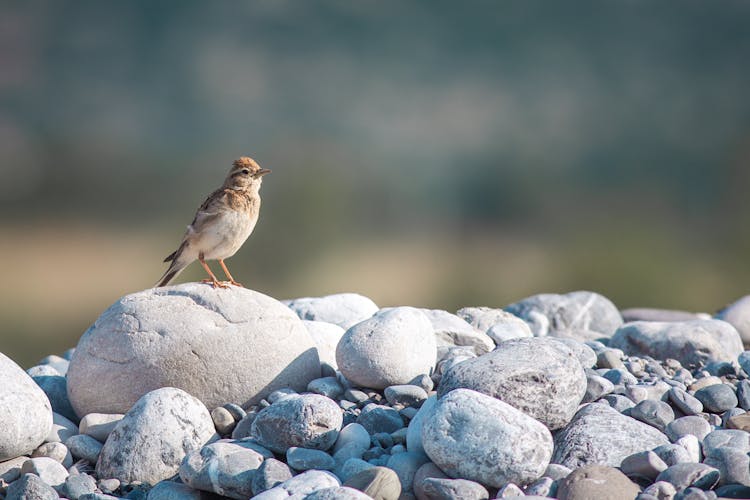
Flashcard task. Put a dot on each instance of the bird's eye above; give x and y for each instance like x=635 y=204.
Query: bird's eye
x=245 y=171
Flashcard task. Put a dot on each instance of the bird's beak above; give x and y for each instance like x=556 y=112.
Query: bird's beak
x=262 y=172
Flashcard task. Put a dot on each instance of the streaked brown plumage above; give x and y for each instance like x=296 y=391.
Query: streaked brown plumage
x=222 y=223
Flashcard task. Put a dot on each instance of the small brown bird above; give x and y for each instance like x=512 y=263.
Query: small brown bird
x=222 y=224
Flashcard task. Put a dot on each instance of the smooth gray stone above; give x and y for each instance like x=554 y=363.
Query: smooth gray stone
x=407 y=395
x=673 y=454
x=342 y=309
x=733 y=491
x=79 y=484
x=734 y=438
x=428 y=470
x=169 y=490
x=619 y=402
x=542 y=487
x=744 y=361
x=684 y=401
x=56 y=451
x=717 y=398
x=243 y=428
x=553 y=314
x=663 y=315
x=151 y=440
x=597 y=387
x=306 y=421
x=424 y=381
x=354 y=435
x=49 y=470
x=236 y=410
x=405 y=465
x=609 y=359
x=223 y=420
x=391 y=348
x=326 y=337
x=692 y=445
x=538 y=376
x=414 y=431
x=598 y=434
x=377 y=482
x=240 y=346
x=692 y=424
x=465 y=421
x=25 y=411
x=61 y=430
x=583 y=353
x=303 y=459
x=99 y=425
x=30 y=487
x=721 y=368
x=743 y=394
x=738 y=314
x=556 y=471
x=620 y=376
x=596 y=482
x=337 y=493
x=646 y=464
x=56 y=389
x=695 y=494
x=690 y=342
x=279 y=394
x=733 y=465
x=654 y=413
x=449 y=489
x=351 y=467
x=84 y=447
x=452 y=330
x=270 y=474
x=685 y=475
x=326 y=386
x=109 y=485
x=380 y=418
x=225 y=467
x=301 y=485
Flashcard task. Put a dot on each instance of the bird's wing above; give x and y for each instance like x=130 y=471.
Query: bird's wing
x=208 y=211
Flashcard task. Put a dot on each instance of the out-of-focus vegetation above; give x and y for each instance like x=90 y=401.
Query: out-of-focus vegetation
x=432 y=153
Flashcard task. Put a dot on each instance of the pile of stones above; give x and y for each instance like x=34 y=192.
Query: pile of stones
x=187 y=392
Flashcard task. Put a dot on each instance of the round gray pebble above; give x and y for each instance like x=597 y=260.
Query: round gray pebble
x=717 y=398
x=655 y=413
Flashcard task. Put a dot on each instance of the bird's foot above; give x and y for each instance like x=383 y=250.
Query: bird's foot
x=236 y=283
x=216 y=283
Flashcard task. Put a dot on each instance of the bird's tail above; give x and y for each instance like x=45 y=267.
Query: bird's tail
x=176 y=266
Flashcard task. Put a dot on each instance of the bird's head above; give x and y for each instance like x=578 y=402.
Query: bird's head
x=245 y=172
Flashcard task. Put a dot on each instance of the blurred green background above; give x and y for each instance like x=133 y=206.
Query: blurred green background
x=429 y=153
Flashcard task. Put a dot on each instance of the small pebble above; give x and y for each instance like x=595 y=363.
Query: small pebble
x=655 y=413
x=223 y=420
x=693 y=424
x=717 y=398
x=302 y=459
x=407 y=395
x=326 y=386
x=378 y=418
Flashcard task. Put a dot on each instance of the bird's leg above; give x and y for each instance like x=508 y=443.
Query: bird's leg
x=226 y=271
x=214 y=282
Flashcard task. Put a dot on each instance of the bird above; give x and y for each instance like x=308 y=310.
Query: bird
x=221 y=225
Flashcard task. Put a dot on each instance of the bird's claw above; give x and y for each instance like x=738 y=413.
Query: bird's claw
x=216 y=283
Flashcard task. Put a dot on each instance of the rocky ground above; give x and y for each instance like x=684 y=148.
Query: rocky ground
x=187 y=392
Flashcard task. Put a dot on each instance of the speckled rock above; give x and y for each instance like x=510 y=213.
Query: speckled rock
x=391 y=348
x=25 y=411
x=689 y=342
x=301 y=485
x=466 y=427
x=307 y=421
x=31 y=487
x=240 y=345
x=152 y=439
x=539 y=376
x=600 y=435
x=342 y=309
x=597 y=482
x=568 y=315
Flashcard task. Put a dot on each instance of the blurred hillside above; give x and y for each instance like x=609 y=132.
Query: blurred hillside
x=424 y=152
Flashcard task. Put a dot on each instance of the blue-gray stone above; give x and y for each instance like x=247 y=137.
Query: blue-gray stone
x=673 y=454
x=717 y=398
x=645 y=464
x=56 y=389
x=244 y=427
x=685 y=475
x=326 y=386
x=692 y=424
x=338 y=493
x=377 y=482
x=684 y=401
x=733 y=491
x=307 y=421
x=84 y=447
x=380 y=418
x=655 y=413
x=733 y=438
x=301 y=485
x=406 y=395
x=448 y=489
x=30 y=487
x=733 y=465
x=79 y=484
x=619 y=402
x=405 y=465
x=743 y=394
x=596 y=388
x=170 y=490
x=303 y=459
x=270 y=474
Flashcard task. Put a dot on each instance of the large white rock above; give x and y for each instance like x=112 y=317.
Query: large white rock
x=473 y=436
x=219 y=345
x=326 y=337
x=689 y=342
x=391 y=348
x=540 y=376
x=343 y=309
x=450 y=330
x=154 y=437
x=25 y=411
